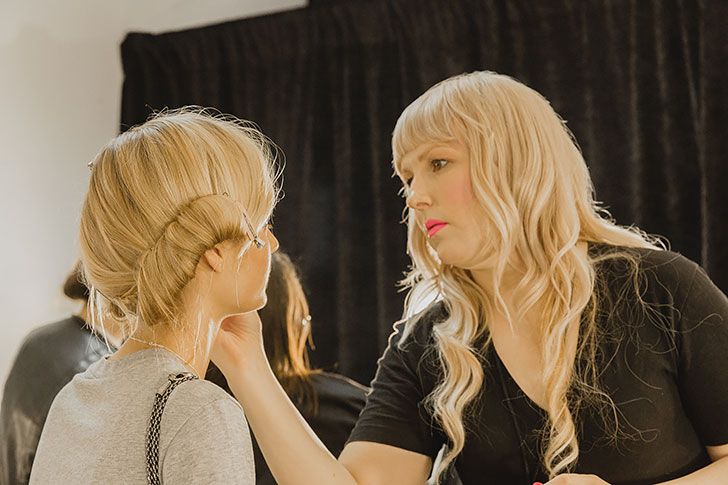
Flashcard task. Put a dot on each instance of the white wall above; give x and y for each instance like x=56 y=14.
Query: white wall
x=60 y=90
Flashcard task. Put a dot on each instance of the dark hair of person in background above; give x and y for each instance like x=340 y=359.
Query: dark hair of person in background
x=48 y=358
x=74 y=287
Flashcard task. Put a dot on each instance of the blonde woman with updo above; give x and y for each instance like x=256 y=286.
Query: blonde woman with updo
x=174 y=239
x=540 y=340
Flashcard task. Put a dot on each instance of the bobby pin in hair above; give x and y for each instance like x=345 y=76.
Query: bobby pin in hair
x=259 y=243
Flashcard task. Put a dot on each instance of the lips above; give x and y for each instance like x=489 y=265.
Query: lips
x=433 y=226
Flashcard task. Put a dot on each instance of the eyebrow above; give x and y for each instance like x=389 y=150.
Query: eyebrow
x=421 y=157
x=417 y=159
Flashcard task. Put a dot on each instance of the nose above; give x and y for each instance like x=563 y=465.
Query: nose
x=417 y=198
x=273 y=242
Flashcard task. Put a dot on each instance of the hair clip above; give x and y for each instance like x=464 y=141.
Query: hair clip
x=90 y=164
x=306 y=320
x=259 y=243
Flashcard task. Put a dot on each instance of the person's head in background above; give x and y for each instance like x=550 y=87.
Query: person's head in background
x=74 y=287
x=174 y=234
x=287 y=331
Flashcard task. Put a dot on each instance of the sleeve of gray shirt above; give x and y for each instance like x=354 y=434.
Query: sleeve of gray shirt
x=212 y=446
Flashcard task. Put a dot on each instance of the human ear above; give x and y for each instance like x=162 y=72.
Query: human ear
x=213 y=258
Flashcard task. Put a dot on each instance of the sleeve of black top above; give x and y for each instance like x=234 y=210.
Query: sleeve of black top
x=394 y=413
x=703 y=357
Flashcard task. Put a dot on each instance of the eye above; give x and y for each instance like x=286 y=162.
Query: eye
x=406 y=178
x=438 y=164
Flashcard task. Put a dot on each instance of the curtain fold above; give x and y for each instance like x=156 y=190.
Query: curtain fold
x=640 y=83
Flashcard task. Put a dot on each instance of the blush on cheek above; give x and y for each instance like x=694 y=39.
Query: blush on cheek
x=460 y=193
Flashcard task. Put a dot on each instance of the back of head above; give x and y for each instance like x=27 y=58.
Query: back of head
x=159 y=196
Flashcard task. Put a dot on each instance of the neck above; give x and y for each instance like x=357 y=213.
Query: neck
x=191 y=345
x=509 y=280
x=514 y=272
x=512 y=275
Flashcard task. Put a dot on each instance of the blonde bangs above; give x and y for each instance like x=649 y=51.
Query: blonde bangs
x=430 y=118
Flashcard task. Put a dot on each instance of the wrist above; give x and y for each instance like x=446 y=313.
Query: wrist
x=248 y=366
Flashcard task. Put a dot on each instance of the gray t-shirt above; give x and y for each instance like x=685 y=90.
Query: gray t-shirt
x=97 y=426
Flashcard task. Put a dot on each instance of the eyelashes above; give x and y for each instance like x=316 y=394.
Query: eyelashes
x=436 y=164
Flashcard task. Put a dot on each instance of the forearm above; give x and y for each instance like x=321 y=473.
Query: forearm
x=291 y=449
x=716 y=473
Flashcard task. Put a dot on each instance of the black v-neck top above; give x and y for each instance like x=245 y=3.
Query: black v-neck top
x=665 y=365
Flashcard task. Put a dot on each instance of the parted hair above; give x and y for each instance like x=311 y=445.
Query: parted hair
x=536 y=200
x=159 y=196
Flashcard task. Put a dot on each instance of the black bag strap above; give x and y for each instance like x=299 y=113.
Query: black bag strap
x=160 y=400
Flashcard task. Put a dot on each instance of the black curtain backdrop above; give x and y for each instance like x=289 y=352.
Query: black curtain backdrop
x=640 y=82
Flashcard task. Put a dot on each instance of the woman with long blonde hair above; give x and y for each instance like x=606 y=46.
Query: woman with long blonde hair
x=540 y=340
x=174 y=239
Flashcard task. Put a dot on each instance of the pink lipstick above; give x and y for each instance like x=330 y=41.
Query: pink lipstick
x=433 y=226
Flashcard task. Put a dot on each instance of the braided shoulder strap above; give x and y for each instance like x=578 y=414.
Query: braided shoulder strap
x=160 y=400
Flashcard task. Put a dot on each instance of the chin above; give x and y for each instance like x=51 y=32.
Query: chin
x=450 y=259
x=468 y=263
x=261 y=302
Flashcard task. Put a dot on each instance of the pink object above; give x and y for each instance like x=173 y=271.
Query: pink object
x=433 y=226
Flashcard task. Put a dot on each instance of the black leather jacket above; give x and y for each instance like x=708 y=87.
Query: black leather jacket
x=48 y=359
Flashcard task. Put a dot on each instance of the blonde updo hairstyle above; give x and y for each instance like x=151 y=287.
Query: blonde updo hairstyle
x=536 y=200
x=160 y=195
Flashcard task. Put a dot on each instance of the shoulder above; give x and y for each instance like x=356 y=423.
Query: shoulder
x=412 y=348
x=416 y=331
x=204 y=437
x=70 y=330
x=68 y=343
x=51 y=354
x=663 y=273
x=671 y=289
x=201 y=409
x=201 y=397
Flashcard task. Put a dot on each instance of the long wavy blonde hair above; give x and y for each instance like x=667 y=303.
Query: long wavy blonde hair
x=533 y=186
x=160 y=195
